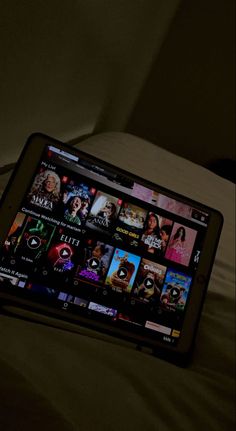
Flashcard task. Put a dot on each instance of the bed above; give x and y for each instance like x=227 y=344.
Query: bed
x=70 y=378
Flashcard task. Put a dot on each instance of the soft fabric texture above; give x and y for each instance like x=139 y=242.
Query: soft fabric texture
x=76 y=379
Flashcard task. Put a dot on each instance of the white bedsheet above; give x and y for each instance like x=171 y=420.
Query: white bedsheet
x=56 y=379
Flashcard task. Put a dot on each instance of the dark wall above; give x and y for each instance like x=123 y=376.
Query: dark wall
x=187 y=104
x=69 y=67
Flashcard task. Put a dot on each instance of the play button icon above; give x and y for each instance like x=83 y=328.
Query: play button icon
x=148 y=282
x=174 y=292
x=65 y=253
x=33 y=242
x=122 y=273
x=93 y=263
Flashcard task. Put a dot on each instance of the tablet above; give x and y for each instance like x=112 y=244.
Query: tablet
x=84 y=241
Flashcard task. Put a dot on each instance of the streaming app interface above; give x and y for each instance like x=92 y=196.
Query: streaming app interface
x=95 y=243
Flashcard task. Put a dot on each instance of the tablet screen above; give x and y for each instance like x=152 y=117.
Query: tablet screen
x=96 y=243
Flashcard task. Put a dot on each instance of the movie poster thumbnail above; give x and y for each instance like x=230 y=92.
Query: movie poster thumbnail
x=63 y=253
x=149 y=281
x=175 y=291
x=13 y=234
x=46 y=189
x=35 y=239
x=130 y=224
x=42 y=290
x=76 y=201
x=96 y=259
x=145 y=194
x=67 y=297
x=99 y=308
x=122 y=271
x=10 y=279
x=156 y=234
x=197 y=250
x=130 y=317
x=181 y=243
x=173 y=206
x=103 y=213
